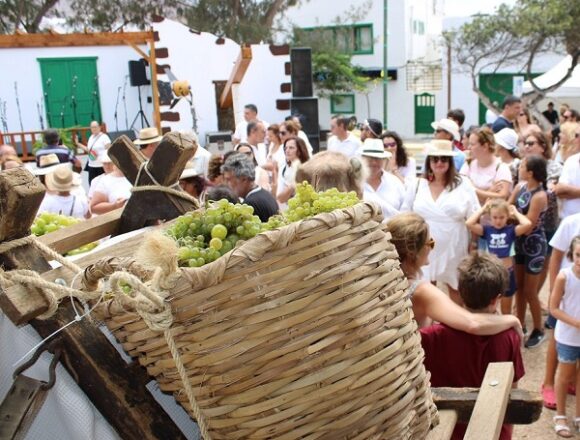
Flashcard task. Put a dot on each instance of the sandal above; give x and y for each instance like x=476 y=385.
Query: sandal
x=562 y=430
x=549 y=397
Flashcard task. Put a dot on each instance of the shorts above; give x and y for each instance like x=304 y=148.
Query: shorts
x=567 y=354
x=511 y=284
x=531 y=252
x=534 y=265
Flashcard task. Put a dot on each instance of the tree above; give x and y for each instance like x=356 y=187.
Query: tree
x=24 y=14
x=517 y=36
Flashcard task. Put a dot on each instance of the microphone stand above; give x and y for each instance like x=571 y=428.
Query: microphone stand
x=116 y=106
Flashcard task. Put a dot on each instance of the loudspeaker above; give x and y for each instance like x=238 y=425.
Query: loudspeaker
x=301 y=72
x=138 y=74
x=307 y=110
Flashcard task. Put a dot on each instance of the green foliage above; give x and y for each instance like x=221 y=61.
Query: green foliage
x=65 y=135
x=334 y=73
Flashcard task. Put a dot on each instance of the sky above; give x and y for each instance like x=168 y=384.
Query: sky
x=462 y=8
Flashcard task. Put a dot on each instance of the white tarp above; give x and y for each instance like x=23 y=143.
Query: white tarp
x=570 y=88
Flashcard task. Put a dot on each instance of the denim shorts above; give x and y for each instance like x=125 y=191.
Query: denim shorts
x=567 y=354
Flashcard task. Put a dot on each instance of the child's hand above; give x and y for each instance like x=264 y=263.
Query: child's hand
x=513 y=211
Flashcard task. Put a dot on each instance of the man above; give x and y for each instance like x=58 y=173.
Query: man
x=240 y=174
x=64 y=154
x=342 y=141
x=372 y=128
x=255 y=134
x=250 y=114
x=148 y=141
x=512 y=106
x=571 y=115
x=550 y=114
x=458 y=116
x=448 y=130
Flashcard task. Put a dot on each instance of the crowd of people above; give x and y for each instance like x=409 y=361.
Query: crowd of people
x=491 y=214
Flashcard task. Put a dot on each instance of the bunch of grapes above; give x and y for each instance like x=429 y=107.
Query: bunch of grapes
x=48 y=222
x=204 y=236
x=308 y=203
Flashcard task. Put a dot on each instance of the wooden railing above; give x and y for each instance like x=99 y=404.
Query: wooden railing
x=24 y=141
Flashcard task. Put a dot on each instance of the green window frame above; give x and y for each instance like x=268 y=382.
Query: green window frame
x=342 y=104
x=355 y=39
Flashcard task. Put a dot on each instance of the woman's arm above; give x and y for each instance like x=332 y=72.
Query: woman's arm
x=100 y=203
x=432 y=302
x=503 y=191
x=556 y=299
x=285 y=194
x=514 y=194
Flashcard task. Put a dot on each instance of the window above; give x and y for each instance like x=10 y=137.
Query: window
x=356 y=39
x=419 y=27
x=342 y=104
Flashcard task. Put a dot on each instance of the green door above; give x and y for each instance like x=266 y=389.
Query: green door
x=71 y=91
x=424 y=113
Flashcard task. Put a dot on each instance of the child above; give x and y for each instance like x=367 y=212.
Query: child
x=59 y=200
x=565 y=307
x=458 y=359
x=499 y=238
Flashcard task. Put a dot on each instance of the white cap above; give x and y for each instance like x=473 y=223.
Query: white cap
x=449 y=126
x=507 y=138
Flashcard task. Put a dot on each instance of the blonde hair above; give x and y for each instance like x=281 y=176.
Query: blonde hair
x=499 y=204
x=409 y=233
x=485 y=137
x=569 y=129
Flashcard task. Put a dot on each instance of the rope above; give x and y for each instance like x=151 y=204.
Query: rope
x=158 y=187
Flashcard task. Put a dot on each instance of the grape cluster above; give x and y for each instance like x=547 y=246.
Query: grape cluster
x=204 y=236
x=308 y=203
x=48 y=222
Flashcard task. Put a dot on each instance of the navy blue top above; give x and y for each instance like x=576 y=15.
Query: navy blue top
x=500 y=242
x=501 y=123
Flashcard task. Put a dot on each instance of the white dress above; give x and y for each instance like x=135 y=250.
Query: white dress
x=446 y=219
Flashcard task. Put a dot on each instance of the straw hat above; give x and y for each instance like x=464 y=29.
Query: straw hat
x=189 y=170
x=46 y=164
x=61 y=179
x=507 y=138
x=449 y=126
x=374 y=148
x=440 y=147
x=148 y=135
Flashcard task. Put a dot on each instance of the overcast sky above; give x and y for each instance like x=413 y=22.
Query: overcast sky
x=461 y=8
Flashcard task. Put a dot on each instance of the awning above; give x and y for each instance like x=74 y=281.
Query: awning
x=570 y=88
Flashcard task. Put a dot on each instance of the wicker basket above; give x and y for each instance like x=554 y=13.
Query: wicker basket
x=302 y=332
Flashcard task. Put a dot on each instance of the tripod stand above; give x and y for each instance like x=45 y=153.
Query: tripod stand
x=140 y=113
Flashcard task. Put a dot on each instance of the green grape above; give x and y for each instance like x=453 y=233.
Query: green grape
x=216 y=243
x=200 y=261
x=219 y=231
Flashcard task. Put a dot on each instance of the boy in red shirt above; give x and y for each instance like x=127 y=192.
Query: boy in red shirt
x=458 y=359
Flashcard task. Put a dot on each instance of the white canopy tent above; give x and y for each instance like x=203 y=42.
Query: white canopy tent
x=570 y=88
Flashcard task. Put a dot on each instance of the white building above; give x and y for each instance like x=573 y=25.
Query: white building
x=413 y=33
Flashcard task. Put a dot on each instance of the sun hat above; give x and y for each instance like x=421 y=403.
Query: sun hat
x=449 y=126
x=60 y=179
x=46 y=164
x=374 y=148
x=440 y=147
x=507 y=138
x=148 y=135
x=189 y=170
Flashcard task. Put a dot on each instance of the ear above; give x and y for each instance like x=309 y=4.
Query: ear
x=495 y=300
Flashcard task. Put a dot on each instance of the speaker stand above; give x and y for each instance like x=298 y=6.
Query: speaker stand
x=140 y=114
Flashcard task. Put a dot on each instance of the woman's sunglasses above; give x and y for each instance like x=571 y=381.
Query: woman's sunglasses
x=442 y=159
x=390 y=144
x=431 y=243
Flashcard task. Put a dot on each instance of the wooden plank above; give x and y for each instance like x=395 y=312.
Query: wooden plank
x=238 y=72
x=490 y=407
x=80 y=39
x=524 y=407
x=444 y=430
x=82 y=233
x=138 y=50
x=155 y=91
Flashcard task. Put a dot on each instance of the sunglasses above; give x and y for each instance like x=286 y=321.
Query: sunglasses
x=283 y=133
x=577 y=135
x=530 y=143
x=390 y=144
x=442 y=159
x=431 y=243
x=440 y=130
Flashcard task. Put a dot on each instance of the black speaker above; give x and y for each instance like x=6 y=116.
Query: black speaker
x=138 y=73
x=307 y=110
x=301 y=72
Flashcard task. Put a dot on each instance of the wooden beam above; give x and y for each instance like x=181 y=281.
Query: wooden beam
x=155 y=92
x=84 y=39
x=444 y=430
x=524 y=407
x=138 y=50
x=490 y=408
x=238 y=72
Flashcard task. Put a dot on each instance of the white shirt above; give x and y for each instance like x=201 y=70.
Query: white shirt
x=570 y=303
x=571 y=176
x=350 y=147
x=484 y=177
x=303 y=136
x=241 y=132
x=113 y=187
x=568 y=229
x=201 y=160
x=260 y=153
x=97 y=144
x=71 y=205
x=390 y=195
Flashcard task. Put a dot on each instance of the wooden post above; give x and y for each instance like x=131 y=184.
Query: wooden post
x=116 y=389
x=154 y=91
x=165 y=168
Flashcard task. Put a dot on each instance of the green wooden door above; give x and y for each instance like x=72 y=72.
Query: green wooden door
x=424 y=112
x=71 y=91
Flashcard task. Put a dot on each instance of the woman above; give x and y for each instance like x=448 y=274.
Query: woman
x=381 y=186
x=566 y=146
x=296 y=153
x=531 y=200
x=262 y=177
x=410 y=235
x=400 y=164
x=97 y=143
x=275 y=149
x=445 y=200
x=371 y=129
x=288 y=129
x=523 y=123
x=111 y=191
x=506 y=141
x=492 y=178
